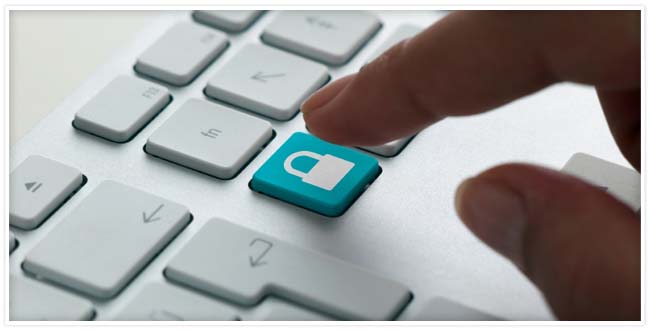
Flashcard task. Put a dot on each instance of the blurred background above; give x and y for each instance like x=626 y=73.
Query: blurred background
x=44 y=48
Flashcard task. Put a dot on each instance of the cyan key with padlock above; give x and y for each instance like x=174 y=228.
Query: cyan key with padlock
x=314 y=174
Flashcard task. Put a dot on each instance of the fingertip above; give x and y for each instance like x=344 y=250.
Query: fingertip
x=323 y=96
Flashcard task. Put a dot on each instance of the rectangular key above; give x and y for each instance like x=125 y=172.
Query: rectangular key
x=332 y=37
x=30 y=300
x=621 y=182
x=393 y=148
x=229 y=20
x=13 y=243
x=273 y=309
x=165 y=302
x=210 y=138
x=267 y=81
x=181 y=53
x=121 y=108
x=441 y=309
x=38 y=186
x=244 y=266
x=107 y=239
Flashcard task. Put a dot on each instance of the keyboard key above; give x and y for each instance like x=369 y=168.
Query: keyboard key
x=332 y=37
x=30 y=300
x=229 y=20
x=210 y=138
x=122 y=108
x=393 y=148
x=13 y=243
x=441 y=309
x=38 y=187
x=164 y=302
x=621 y=182
x=267 y=81
x=107 y=239
x=181 y=53
x=315 y=174
x=273 y=309
x=244 y=266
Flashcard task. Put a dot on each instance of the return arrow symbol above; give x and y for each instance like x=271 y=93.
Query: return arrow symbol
x=151 y=218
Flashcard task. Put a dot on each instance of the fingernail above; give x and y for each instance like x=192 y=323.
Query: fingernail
x=495 y=213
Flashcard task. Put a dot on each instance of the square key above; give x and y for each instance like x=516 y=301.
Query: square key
x=122 y=108
x=210 y=138
x=331 y=37
x=267 y=81
x=38 y=186
x=315 y=174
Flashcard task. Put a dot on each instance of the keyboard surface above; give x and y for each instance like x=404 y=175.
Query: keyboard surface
x=143 y=212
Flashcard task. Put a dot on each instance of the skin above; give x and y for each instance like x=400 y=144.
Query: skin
x=579 y=245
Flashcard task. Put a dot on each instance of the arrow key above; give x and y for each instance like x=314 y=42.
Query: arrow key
x=267 y=81
x=106 y=240
x=38 y=186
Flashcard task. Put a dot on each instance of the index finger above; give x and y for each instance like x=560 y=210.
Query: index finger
x=471 y=62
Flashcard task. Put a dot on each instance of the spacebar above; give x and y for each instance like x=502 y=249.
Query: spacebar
x=232 y=262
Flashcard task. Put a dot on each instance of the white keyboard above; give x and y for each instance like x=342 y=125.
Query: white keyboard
x=142 y=210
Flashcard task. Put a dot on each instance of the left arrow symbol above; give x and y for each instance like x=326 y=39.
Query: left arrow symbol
x=262 y=77
x=151 y=218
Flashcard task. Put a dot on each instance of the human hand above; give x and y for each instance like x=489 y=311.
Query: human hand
x=579 y=245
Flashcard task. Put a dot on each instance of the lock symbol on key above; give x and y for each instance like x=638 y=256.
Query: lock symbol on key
x=325 y=174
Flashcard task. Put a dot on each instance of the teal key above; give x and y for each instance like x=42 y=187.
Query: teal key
x=315 y=174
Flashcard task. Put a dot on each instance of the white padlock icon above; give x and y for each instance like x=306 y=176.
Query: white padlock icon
x=326 y=173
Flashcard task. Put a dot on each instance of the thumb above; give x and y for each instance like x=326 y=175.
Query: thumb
x=579 y=245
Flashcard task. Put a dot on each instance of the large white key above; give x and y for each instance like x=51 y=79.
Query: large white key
x=623 y=183
x=107 y=239
x=244 y=266
x=229 y=20
x=164 y=302
x=210 y=138
x=273 y=309
x=181 y=53
x=267 y=81
x=38 y=186
x=122 y=108
x=328 y=36
x=392 y=148
x=441 y=309
x=30 y=300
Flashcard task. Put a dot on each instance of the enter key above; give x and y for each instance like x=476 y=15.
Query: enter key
x=244 y=266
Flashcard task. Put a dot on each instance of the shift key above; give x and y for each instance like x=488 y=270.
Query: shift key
x=107 y=239
x=232 y=262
